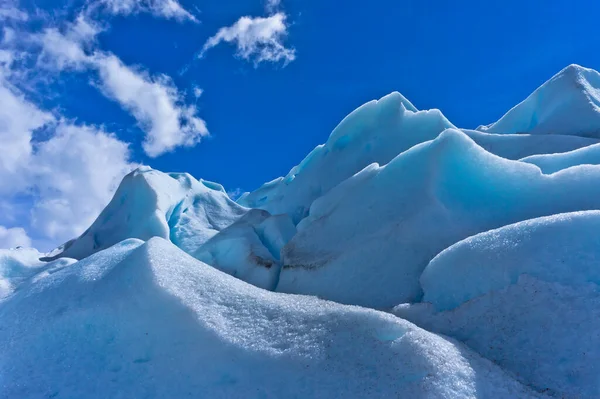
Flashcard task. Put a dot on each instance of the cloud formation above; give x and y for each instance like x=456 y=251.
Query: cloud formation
x=14 y=237
x=154 y=101
x=52 y=187
x=169 y=9
x=258 y=39
x=272 y=5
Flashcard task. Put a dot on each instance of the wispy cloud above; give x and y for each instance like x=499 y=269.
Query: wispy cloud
x=258 y=39
x=9 y=11
x=154 y=101
x=170 y=9
x=272 y=5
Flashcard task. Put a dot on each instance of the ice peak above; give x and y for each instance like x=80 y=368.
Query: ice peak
x=568 y=104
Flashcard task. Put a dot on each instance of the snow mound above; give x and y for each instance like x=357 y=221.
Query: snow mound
x=526 y=296
x=552 y=163
x=495 y=259
x=568 y=103
x=369 y=239
x=149 y=203
x=375 y=132
x=147 y=320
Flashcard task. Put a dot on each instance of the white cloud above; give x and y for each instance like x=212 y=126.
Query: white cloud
x=66 y=50
x=154 y=102
x=258 y=39
x=65 y=181
x=18 y=120
x=198 y=91
x=13 y=237
x=74 y=175
x=9 y=11
x=60 y=52
x=272 y=5
x=170 y=9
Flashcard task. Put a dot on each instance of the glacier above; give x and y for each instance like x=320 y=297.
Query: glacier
x=404 y=257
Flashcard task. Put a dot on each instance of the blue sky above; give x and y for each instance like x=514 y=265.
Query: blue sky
x=89 y=89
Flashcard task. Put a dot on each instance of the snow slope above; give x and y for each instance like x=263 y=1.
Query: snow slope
x=568 y=103
x=526 y=296
x=147 y=320
x=367 y=241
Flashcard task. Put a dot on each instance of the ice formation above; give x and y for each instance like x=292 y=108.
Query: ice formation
x=477 y=252
x=569 y=103
x=368 y=240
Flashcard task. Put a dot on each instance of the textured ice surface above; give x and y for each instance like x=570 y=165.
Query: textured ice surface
x=568 y=103
x=250 y=248
x=526 y=296
x=367 y=241
x=147 y=320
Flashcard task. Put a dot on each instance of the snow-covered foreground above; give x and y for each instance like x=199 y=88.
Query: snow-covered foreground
x=145 y=319
x=487 y=240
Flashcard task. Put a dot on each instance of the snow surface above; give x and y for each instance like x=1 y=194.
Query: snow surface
x=367 y=241
x=495 y=259
x=526 y=296
x=147 y=320
x=568 y=103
